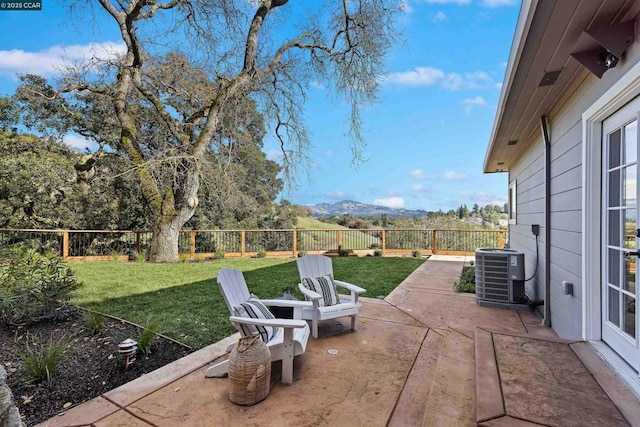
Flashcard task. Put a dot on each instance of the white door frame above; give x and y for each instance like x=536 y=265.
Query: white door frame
x=623 y=91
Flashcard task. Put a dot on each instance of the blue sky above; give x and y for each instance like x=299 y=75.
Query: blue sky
x=426 y=139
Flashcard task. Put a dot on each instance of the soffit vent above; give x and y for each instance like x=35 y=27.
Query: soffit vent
x=512 y=142
x=549 y=78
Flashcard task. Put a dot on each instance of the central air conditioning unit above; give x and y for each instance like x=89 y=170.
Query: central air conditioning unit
x=499 y=276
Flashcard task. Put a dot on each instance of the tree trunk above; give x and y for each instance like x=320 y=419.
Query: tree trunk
x=164 y=242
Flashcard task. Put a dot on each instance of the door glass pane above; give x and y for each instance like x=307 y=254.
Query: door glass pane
x=614 y=307
x=614 y=188
x=629 y=186
x=614 y=228
x=614 y=149
x=631 y=142
x=629 y=315
x=629 y=228
x=614 y=267
x=629 y=283
x=630 y=244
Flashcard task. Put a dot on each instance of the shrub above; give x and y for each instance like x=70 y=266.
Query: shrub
x=416 y=253
x=377 y=253
x=220 y=253
x=302 y=253
x=343 y=253
x=261 y=253
x=41 y=359
x=34 y=287
x=139 y=256
x=147 y=337
x=374 y=246
x=93 y=321
x=467 y=281
x=115 y=255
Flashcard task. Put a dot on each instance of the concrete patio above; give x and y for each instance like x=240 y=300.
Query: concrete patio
x=425 y=355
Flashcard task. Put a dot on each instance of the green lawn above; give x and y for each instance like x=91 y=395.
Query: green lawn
x=183 y=298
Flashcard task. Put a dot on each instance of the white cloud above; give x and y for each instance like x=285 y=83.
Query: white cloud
x=483 y=198
x=317 y=85
x=478 y=100
x=421 y=76
x=391 y=202
x=439 y=17
x=471 y=102
x=328 y=154
x=503 y=64
x=452 y=176
x=336 y=195
x=418 y=174
x=418 y=188
x=56 y=58
x=274 y=154
x=428 y=76
x=406 y=7
x=455 y=81
x=78 y=142
x=499 y=85
x=498 y=3
x=461 y=2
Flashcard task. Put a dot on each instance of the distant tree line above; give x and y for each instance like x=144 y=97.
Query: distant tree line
x=488 y=217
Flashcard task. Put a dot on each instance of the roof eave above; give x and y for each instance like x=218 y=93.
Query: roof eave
x=525 y=18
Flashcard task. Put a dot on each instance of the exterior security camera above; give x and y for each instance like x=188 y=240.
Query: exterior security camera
x=610 y=60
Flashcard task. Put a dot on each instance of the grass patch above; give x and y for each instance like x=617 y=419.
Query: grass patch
x=184 y=297
x=40 y=359
x=93 y=322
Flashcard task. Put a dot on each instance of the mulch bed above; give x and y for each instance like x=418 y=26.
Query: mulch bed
x=91 y=366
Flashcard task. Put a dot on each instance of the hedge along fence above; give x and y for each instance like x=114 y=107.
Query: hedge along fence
x=110 y=244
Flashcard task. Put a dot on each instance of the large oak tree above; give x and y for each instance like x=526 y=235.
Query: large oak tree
x=164 y=112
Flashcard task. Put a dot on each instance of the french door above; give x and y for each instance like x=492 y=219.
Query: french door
x=621 y=233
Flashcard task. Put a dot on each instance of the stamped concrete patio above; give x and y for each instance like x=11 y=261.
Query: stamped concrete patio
x=424 y=355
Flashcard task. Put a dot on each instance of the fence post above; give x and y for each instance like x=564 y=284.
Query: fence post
x=242 y=242
x=339 y=239
x=192 y=244
x=65 y=244
x=434 y=242
x=295 y=243
x=138 y=241
x=384 y=240
x=500 y=239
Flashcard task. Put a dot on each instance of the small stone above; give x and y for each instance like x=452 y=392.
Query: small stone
x=66 y=405
x=176 y=389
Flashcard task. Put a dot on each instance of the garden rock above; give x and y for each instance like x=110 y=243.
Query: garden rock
x=9 y=414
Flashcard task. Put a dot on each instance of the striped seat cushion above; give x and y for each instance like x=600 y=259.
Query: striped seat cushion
x=324 y=286
x=255 y=309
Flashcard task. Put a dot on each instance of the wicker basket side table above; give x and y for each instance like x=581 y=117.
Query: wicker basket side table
x=249 y=371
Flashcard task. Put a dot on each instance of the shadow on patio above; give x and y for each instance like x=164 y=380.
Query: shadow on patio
x=417 y=359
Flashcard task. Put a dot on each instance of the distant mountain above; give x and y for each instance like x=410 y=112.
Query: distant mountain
x=359 y=209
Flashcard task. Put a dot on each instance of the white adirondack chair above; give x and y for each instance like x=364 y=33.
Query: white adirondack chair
x=316 y=266
x=290 y=340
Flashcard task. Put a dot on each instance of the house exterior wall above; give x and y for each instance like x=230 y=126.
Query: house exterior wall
x=565 y=131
